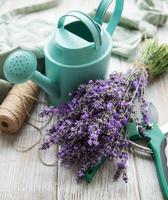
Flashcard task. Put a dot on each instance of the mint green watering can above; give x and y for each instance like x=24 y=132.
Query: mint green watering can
x=78 y=51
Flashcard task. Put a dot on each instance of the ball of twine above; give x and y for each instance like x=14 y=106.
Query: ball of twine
x=17 y=105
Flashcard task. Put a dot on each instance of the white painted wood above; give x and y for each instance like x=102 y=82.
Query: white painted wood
x=23 y=177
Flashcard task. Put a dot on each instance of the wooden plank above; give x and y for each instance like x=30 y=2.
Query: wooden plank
x=102 y=186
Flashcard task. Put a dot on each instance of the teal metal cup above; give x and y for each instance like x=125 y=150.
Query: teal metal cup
x=78 y=51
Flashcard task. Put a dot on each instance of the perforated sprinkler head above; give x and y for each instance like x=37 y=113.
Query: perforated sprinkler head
x=20 y=66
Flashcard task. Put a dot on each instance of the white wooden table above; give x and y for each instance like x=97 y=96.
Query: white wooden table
x=24 y=177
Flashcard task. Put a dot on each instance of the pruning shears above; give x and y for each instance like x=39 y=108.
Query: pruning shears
x=156 y=141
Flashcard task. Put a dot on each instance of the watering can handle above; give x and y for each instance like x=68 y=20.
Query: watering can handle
x=89 y=23
x=114 y=19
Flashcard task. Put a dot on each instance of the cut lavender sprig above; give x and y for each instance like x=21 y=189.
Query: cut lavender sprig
x=91 y=126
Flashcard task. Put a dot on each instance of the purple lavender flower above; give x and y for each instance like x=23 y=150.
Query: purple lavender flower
x=92 y=125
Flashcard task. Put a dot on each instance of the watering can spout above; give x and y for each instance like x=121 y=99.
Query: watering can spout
x=46 y=84
x=20 y=66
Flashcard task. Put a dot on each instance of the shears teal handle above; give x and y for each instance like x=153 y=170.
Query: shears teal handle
x=114 y=19
x=157 y=143
x=92 y=171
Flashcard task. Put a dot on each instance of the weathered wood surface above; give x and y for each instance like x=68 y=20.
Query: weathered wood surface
x=24 y=177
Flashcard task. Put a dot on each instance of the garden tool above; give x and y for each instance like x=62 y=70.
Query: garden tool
x=157 y=142
x=78 y=51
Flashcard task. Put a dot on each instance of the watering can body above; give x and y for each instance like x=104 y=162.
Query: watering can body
x=79 y=51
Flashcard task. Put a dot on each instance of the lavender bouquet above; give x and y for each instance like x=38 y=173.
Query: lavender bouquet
x=92 y=125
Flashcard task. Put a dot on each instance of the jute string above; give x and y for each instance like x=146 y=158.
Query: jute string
x=14 y=110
